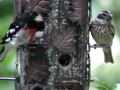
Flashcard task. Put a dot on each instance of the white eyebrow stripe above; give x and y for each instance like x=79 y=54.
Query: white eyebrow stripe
x=108 y=12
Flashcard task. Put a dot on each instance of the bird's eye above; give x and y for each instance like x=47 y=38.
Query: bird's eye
x=104 y=14
x=31 y=14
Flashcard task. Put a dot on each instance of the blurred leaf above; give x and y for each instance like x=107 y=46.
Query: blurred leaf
x=100 y=88
x=6 y=67
x=103 y=85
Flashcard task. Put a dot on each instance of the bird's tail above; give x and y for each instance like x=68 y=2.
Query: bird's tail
x=108 y=55
x=4 y=52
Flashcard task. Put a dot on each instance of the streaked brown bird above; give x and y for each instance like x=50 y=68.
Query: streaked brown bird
x=102 y=31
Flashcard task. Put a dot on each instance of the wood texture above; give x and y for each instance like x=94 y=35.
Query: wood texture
x=66 y=32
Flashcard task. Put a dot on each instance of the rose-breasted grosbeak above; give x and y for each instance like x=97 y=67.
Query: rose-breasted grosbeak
x=102 y=31
x=21 y=31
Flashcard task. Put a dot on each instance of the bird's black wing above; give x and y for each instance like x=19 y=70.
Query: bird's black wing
x=13 y=29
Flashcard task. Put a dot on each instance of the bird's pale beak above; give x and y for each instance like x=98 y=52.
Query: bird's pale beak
x=109 y=18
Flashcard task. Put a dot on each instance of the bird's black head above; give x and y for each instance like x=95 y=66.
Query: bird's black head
x=17 y=23
x=34 y=19
x=105 y=15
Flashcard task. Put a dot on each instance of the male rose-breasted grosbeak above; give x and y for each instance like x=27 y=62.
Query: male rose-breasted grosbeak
x=22 y=31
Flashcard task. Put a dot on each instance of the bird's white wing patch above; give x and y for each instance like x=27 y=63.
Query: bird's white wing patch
x=12 y=30
x=7 y=40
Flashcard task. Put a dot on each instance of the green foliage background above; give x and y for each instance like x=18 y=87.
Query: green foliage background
x=7 y=67
x=105 y=77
